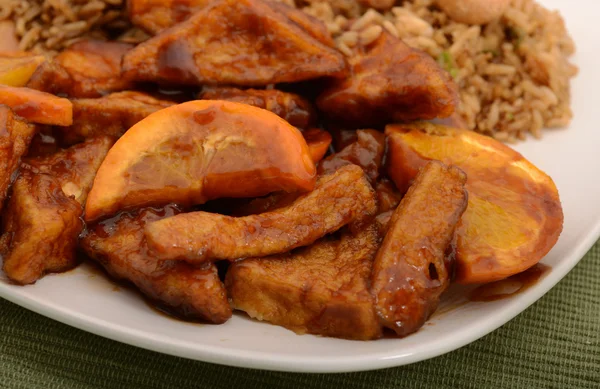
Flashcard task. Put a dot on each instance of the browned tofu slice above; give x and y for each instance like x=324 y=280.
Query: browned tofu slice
x=411 y=269
x=87 y=68
x=15 y=137
x=40 y=225
x=187 y=291
x=322 y=289
x=295 y=109
x=155 y=16
x=111 y=115
x=390 y=81
x=75 y=167
x=338 y=199
x=42 y=219
x=233 y=42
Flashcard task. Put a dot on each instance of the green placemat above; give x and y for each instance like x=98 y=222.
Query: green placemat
x=554 y=344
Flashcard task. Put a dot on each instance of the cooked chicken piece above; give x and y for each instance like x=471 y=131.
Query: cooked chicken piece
x=338 y=199
x=75 y=167
x=15 y=136
x=233 y=42
x=85 y=69
x=295 y=109
x=40 y=225
x=154 y=16
x=37 y=107
x=320 y=289
x=366 y=152
x=318 y=142
x=191 y=292
x=390 y=81
x=42 y=219
x=110 y=115
x=410 y=270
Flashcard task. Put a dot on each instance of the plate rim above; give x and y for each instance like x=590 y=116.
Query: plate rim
x=264 y=360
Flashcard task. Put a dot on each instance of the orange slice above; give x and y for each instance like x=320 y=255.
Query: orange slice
x=514 y=216
x=198 y=151
x=37 y=107
x=16 y=71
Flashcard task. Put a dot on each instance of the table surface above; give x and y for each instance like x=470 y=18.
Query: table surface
x=553 y=344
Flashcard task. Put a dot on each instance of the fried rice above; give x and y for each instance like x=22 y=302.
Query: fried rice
x=513 y=74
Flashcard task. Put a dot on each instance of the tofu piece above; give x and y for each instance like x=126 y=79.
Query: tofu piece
x=15 y=137
x=390 y=81
x=338 y=199
x=154 y=16
x=291 y=107
x=233 y=42
x=321 y=289
x=75 y=167
x=40 y=225
x=111 y=115
x=88 y=68
x=42 y=219
x=187 y=291
x=37 y=107
x=412 y=268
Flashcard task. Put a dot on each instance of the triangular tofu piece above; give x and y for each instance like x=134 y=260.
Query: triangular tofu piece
x=42 y=219
x=233 y=42
x=154 y=16
x=390 y=81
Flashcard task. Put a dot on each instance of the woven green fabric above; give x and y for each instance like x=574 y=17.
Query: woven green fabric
x=553 y=344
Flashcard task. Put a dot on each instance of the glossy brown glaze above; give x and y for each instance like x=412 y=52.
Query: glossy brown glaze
x=156 y=15
x=318 y=142
x=73 y=168
x=15 y=137
x=320 y=289
x=367 y=152
x=93 y=68
x=390 y=82
x=40 y=226
x=233 y=42
x=510 y=286
x=410 y=270
x=37 y=107
x=50 y=77
x=338 y=199
x=199 y=151
x=110 y=115
x=514 y=215
x=388 y=197
x=291 y=107
x=43 y=143
x=190 y=292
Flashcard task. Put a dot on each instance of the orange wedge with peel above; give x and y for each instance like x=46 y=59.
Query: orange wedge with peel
x=198 y=151
x=514 y=216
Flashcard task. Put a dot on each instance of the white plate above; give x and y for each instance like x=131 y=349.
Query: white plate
x=85 y=300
